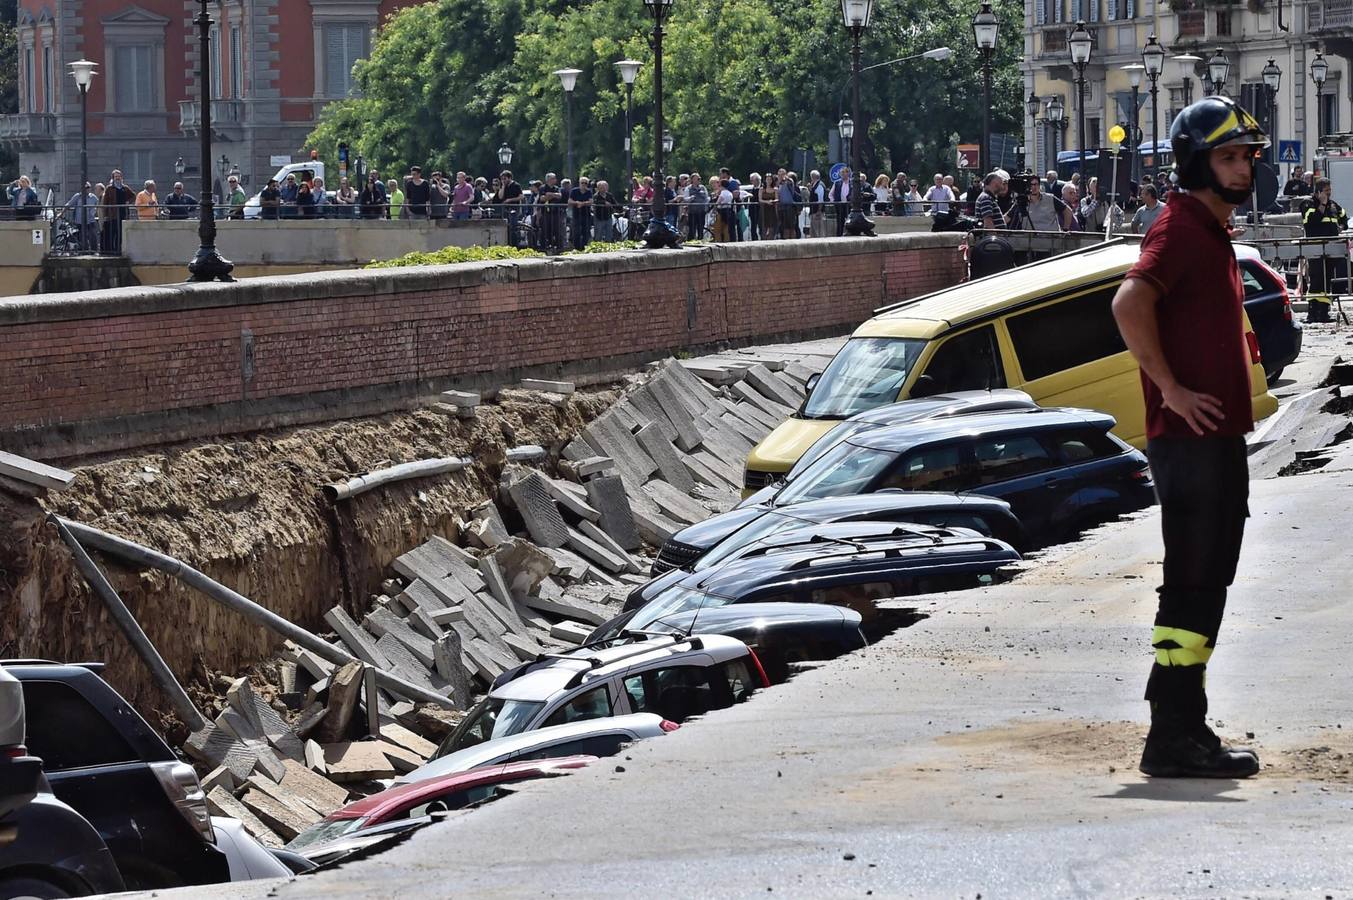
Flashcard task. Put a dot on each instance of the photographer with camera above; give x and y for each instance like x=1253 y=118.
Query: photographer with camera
x=987 y=209
x=1037 y=211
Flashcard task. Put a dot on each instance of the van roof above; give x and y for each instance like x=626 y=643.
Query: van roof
x=901 y=438
x=933 y=314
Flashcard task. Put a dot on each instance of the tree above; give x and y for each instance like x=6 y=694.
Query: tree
x=746 y=82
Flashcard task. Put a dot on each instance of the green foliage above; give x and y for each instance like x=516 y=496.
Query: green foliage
x=603 y=247
x=451 y=255
x=746 y=82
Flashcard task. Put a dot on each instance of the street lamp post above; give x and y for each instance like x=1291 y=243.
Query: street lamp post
x=1153 y=59
x=1273 y=79
x=1319 y=72
x=1218 y=68
x=1187 y=63
x=856 y=14
x=1134 y=73
x=82 y=70
x=504 y=155
x=1057 y=116
x=1032 y=106
x=1080 y=43
x=659 y=232
x=207 y=265
x=629 y=68
x=569 y=79
x=985 y=27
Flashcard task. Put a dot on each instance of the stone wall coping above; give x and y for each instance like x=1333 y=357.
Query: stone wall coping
x=152 y=299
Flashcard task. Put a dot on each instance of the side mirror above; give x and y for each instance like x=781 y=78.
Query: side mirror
x=811 y=383
x=925 y=386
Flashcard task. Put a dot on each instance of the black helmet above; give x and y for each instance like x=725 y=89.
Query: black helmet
x=1202 y=126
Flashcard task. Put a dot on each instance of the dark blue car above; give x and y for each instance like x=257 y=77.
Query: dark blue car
x=1060 y=470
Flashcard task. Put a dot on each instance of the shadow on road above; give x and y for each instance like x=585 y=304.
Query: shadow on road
x=1179 y=790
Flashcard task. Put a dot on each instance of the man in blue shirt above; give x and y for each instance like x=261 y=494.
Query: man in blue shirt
x=179 y=204
x=81 y=212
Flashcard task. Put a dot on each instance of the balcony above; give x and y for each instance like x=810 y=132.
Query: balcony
x=28 y=131
x=1192 y=24
x=1330 y=15
x=1054 y=40
x=227 y=118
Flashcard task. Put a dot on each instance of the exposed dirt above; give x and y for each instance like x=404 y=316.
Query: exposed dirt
x=248 y=512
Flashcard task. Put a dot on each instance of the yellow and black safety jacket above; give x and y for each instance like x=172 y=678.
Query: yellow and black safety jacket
x=1327 y=222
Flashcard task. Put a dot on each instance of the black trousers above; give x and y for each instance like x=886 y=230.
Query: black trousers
x=1203 y=487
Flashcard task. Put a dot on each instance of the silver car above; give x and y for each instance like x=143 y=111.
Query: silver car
x=674 y=676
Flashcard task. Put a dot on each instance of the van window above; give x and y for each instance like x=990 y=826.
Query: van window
x=867 y=373
x=1081 y=444
x=1066 y=333
x=1004 y=457
x=595 y=704
x=970 y=361
x=675 y=693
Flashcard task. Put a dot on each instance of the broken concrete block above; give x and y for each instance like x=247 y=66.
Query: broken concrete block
x=486 y=526
x=654 y=527
x=465 y=403
x=314 y=756
x=550 y=387
x=536 y=504
x=217 y=746
x=263 y=719
x=303 y=811
x=479 y=622
x=315 y=791
x=568 y=566
x=570 y=497
x=383 y=622
x=443 y=566
x=593 y=465
x=608 y=437
x=403 y=759
x=757 y=399
x=574 y=607
x=268 y=762
x=344 y=689
x=220 y=776
x=522 y=564
x=359 y=643
x=571 y=632
x=356 y=761
x=485 y=663
x=607 y=495
x=221 y=803
x=524 y=646
x=456 y=679
x=309 y=719
x=578 y=449
x=655 y=442
x=448 y=614
x=598 y=554
x=664 y=391
x=674 y=503
x=768 y=385
x=526 y=453
x=606 y=542
x=403 y=663
x=398 y=734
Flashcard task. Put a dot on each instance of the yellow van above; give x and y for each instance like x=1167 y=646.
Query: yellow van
x=1046 y=328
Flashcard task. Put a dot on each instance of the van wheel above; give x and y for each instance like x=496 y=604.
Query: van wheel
x=25 y=887
x=1273 y=377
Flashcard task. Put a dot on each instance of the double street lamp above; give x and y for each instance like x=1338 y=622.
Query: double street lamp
x=1080 y=42
x=1218 y=68
x=660 y=232
x=82 y=70
x=985 y=27
x=569 y=79
x=856 y=14
x=1032 y=106
x=1153 y=59
x=629 y=69
x=1134 y=73
x=207 y=265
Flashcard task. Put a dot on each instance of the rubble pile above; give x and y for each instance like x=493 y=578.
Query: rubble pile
x=452 y=618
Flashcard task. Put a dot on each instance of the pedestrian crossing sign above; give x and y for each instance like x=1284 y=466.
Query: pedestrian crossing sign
x=1289 y=152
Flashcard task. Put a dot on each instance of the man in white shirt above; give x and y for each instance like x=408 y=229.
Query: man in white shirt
x=939 y=197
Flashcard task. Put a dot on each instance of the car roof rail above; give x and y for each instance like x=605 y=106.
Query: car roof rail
x=899 y=529
x=639 y=649
x=887 y=552
x=1117 y=239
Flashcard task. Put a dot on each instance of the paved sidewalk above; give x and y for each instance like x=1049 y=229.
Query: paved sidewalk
x=990 y=749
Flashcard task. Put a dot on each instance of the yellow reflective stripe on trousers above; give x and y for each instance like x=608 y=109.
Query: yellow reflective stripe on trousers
x=1180 y=647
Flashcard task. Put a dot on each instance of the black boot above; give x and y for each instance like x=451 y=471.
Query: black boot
x=1177 y=754
x=1209 y=739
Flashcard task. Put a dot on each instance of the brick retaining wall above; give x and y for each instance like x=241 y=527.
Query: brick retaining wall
x=115 y=368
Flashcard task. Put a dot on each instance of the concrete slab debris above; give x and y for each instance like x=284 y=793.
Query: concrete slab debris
x=486 y=664
x=535 y=503
x=34 y=473
x=505 y=614
x=768 y=385
x=607 y=494
x=526 y=453
x=451 y=668
x=383 y=622
x=523 y=564
x=350 y=761
x=571 y=500
x=572 y=632
x=344 y=689
x=567 y=564
x=359 y=642
x=654 y=526
x=316 y=791
x=549 y=387
x=526 y=648
x=221 y=803
x=610 y=438
x=447 y=615
x=665 y=393
x=598 y=554
x=656 y=444
x=398 y=734
x=280 y=818
x=672 y=502
x=404 y=664
x=714 y=374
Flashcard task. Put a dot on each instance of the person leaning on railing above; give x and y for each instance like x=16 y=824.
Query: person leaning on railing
x=235 y=198
x=24 y=199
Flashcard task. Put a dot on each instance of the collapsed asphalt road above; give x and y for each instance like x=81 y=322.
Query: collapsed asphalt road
x=990 y=750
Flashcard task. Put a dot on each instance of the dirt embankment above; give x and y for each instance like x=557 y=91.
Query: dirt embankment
x=249 y=513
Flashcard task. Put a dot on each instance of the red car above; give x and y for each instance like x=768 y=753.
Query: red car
x=409 y=806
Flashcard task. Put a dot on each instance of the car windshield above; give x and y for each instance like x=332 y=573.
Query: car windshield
x=825 y=443
x=868 y=372
x=672 y=601
x=843 y=470
x=494 y=717
x=323 y=832
x=753 y=531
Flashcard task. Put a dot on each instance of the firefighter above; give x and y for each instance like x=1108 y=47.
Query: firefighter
x=1180 y=310
x=1322 y=217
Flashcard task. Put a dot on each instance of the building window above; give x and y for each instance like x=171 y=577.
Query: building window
x=236 y=64
x=1223 y=23
x=1091 y=133
x=134 y=71
x=344 y=44
x=30 y=85
x=48 y=90
x=217 y=76
x=137 y=167
x=1329 y=113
